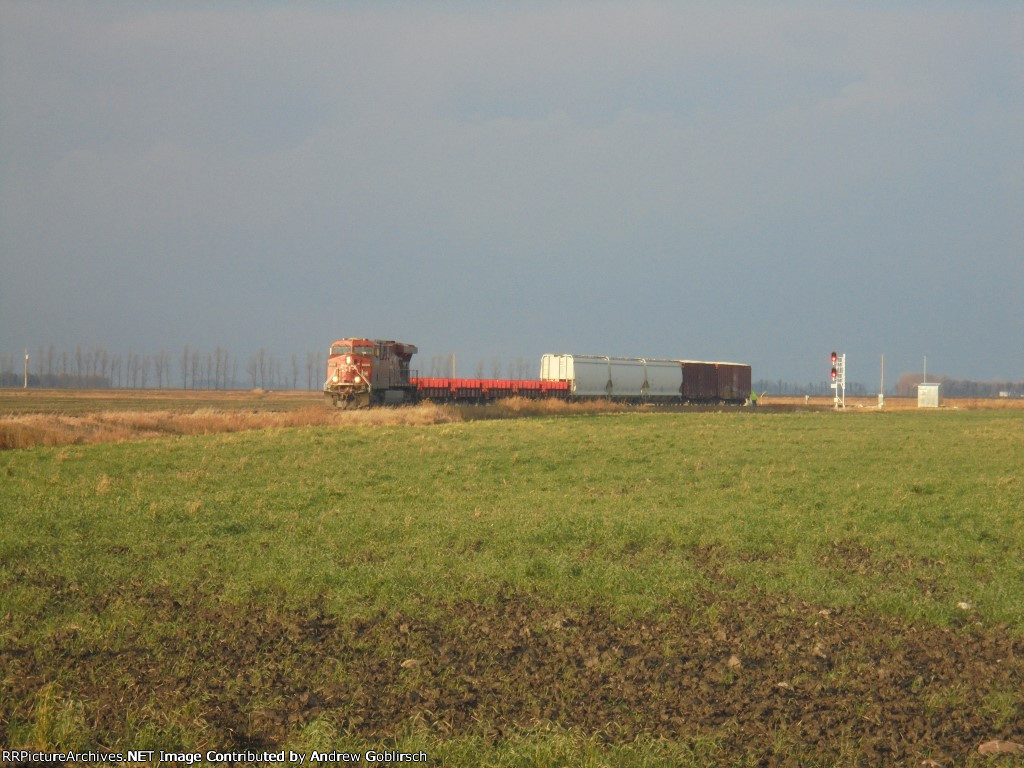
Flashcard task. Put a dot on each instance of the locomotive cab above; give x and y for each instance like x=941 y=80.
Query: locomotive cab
x=362 y=372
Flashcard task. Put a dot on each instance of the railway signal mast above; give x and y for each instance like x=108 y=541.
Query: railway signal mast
x=839 y=379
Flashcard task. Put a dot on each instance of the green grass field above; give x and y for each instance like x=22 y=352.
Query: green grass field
x=733 y=588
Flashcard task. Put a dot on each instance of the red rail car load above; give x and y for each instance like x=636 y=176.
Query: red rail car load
x=487 y=390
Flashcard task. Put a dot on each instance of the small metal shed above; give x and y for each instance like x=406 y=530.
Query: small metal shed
x=929 y=395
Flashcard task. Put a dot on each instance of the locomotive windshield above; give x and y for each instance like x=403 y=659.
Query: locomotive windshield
x=350 y=349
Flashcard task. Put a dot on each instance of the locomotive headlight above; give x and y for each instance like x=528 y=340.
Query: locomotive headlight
x=356 y=379
x=349 y=359
x=334 y=378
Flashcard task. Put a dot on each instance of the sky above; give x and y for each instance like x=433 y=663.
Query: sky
x=758 y=182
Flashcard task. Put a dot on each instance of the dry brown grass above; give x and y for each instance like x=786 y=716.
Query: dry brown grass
x=65 y=417
x=50 y=429
x=25 y=430
x=523 y=406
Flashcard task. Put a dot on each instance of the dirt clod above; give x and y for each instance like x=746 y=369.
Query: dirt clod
x=997 y=747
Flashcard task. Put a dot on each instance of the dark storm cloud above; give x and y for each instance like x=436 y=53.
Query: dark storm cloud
x=753 y=182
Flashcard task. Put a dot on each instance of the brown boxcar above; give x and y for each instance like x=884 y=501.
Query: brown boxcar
x=733 y=382
x=700 y=381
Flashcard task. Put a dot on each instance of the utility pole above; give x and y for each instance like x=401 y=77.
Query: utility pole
x=26 y=370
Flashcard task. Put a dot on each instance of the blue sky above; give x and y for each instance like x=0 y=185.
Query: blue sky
x=759 y=182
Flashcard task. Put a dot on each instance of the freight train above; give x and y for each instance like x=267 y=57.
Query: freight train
x=363 y=372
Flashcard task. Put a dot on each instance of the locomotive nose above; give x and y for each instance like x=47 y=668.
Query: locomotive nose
x=351 y=371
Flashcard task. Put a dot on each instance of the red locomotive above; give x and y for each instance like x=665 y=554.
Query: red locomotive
x=362 y=372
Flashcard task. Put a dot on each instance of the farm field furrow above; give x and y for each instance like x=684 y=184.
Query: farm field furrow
x=636 y=588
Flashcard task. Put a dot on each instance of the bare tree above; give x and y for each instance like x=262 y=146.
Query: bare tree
x=161 y=368
x=104 y=361
x=310 y=368
x=253 y=369
x=116 y=369
x=99 y=361
x=218 y=367
x=276 y=379
x=261 y=367
x=436 y=365
x=184 y=367
x=132 y=363
x=522 y=368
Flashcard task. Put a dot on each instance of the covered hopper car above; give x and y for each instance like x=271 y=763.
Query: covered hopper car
x=362 y=372
x=617 y=378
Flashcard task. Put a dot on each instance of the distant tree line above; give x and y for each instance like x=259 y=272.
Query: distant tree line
x=443 y=366
x=780 y=387
x=193 y=368
x=906 y=386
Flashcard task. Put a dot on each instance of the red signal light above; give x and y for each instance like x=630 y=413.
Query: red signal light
x=835 y=357
x=833 y=373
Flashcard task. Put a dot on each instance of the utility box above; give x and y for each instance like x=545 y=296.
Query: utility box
x=929 y=395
